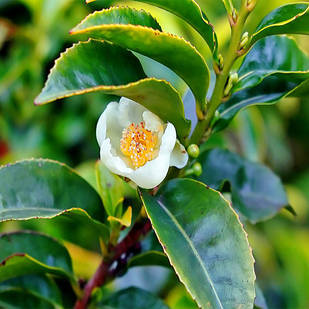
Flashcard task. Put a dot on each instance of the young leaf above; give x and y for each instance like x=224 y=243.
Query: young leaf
x=288 y=19
x=74 y=74
x=24 y=253
x=112 y=189
x=274 y=68
x=205 y=243
x=38 y=188
x=170 y=50
x=256 y=191
x=40 y=286
x=132 y=298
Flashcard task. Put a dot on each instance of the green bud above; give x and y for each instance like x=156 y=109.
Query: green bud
x=244 y=40
x=233 y=79
x=193 y=151
x=197 y=169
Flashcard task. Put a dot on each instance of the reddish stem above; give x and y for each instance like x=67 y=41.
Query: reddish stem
x=103 y=272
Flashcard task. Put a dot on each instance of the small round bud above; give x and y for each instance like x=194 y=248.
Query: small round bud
x=193 y=151
x=197 y=169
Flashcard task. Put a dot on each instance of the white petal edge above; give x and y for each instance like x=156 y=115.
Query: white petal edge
x=112 y=107
x=179 y=157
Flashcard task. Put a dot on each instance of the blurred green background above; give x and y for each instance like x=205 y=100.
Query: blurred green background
x=32 y=35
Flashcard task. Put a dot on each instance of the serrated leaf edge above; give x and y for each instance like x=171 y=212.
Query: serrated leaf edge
x=170 y=261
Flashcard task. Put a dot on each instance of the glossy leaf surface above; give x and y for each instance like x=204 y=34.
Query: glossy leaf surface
x=287 y=19
x=256 y=191
x=132 y=298
x=205 y=243
x=190 y=11
x=74 y=74
x=24 y=253
x=274 y=68
x=38 y=189
x=40 y=286
x=170 y=50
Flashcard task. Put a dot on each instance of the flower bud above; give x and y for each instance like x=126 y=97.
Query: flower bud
x=244 y=40
x=193 y=151
x=197 y=169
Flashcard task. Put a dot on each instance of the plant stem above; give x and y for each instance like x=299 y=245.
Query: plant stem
x=121 y=251
x=229 y=58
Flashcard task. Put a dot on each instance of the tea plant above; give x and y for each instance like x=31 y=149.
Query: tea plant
x=156 y=172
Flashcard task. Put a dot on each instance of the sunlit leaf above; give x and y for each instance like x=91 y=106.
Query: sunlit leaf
x=287 y=19
x=170 y=50
x=189 y=11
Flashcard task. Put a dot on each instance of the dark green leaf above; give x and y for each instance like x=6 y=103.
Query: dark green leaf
x=170 y=50
x=132 y=298
x=44 y=188
x=41 y=188
x=74 y=74
x=256 y=191
x=21 y=299
x=37 y=285
x=24 y=253
x=205 y=243
x=274 y=68
x=287 y=19
x=149 y=258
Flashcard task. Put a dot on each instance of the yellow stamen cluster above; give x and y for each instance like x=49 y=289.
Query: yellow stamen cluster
x=138 y=144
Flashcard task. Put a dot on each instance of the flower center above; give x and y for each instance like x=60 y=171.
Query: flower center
x=138 y=144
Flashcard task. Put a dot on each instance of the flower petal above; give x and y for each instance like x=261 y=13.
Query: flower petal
x=113 y=162
x=130 y=112
x=179 y=157
x=110 y=112
x=153 y=172
x=152 y=122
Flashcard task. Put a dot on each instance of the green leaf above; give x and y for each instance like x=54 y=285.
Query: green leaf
x=74 y=74
x=287 y=19
x=149 y=258
x=38 y=189
x=205 y=243
x=190 y=11
x=132 y=298
x=24 y=253
x=274 y=68
x=170 y=50
x=256 y=191
x=112 y=189
x=22 y=299
x=40 y=286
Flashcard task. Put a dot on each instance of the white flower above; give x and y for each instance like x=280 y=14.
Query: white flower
x=135 y=143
